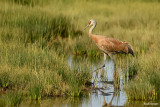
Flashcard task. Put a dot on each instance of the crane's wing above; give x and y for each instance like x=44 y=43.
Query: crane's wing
x=111 y=45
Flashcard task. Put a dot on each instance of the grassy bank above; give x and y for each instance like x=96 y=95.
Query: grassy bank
x=32 y=54
x=35 y=38
x=34 y=73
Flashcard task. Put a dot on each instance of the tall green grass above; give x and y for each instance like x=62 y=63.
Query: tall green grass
x=30 y=3
x=32 y=54
x=15 y=98
x=39 y=71
x=35 y=38
x=86 y=47
x=147 y=80
x=36 y=27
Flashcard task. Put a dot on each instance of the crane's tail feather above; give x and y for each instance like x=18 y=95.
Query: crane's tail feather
x=130 y=50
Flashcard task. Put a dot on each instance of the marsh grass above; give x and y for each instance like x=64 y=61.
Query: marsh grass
x=26 y=2
x=15 y=98
x=146 y=82
x=3 y=102
x=86 y=47
x=35 y=39
x=30 y=3
x=77 y=80
x=4 y=81
x=42 y=76
x=38 y=28
x=35 y=91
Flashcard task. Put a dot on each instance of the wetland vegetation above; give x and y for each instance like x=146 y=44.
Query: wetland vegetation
x=36 y=37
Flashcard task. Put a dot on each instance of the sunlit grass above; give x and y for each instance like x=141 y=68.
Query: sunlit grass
x=40 y=73
x=15 y=98
x=36 y=36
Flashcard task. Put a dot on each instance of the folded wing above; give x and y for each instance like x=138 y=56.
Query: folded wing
x=114 y=46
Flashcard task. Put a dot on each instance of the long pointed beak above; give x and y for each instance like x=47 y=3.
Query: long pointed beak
x=86 y=26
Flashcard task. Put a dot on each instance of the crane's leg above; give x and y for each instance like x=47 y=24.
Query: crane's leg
x=111 y=56
x=105 y=56
x=115 y=75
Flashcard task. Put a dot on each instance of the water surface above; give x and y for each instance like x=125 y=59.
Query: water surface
x=103 y=93
x=103 y=82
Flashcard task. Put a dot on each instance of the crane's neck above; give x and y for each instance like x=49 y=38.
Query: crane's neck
x=91 y=29
x=93 y=37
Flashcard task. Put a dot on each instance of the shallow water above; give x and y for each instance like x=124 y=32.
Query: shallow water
x=103 y=82
x=104 y=92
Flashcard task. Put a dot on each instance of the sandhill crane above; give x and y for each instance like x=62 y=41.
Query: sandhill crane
x=108 y=45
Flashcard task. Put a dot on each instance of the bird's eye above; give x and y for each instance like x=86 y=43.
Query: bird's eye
x=89 y=22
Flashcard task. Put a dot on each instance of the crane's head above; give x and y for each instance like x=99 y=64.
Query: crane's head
x=91 y=23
